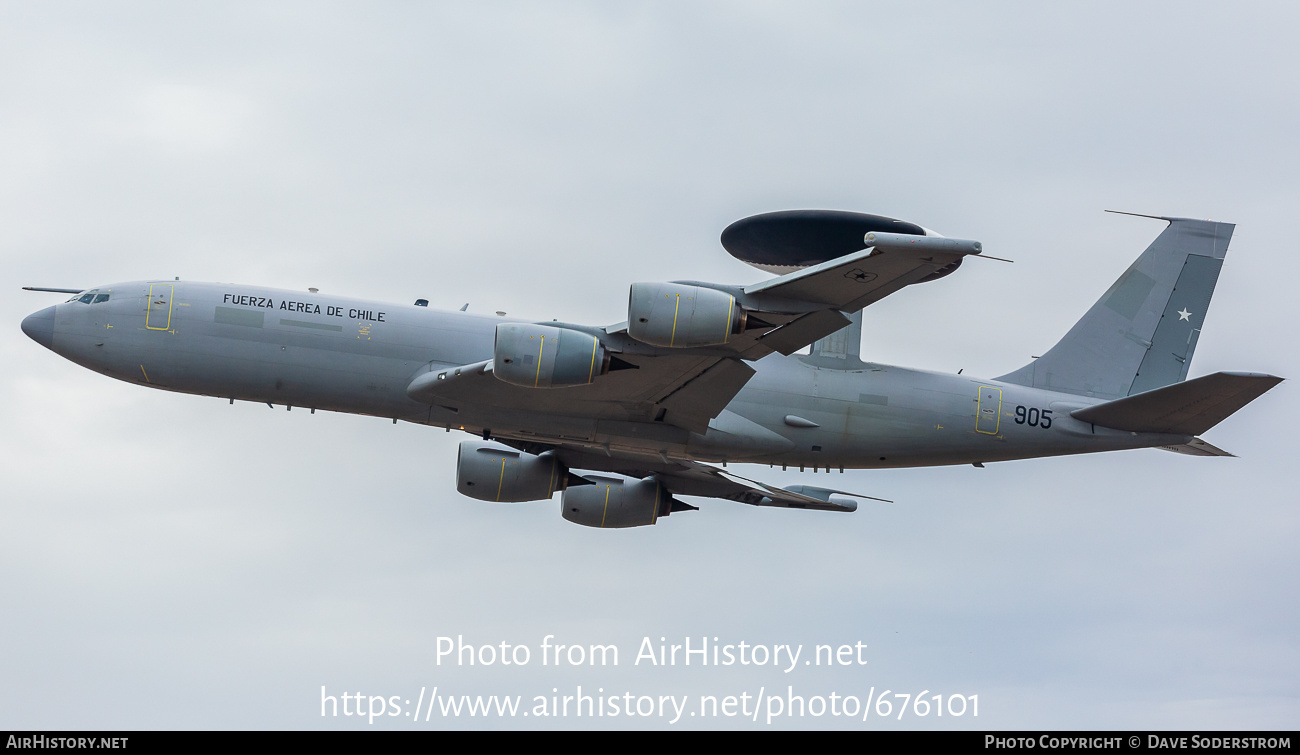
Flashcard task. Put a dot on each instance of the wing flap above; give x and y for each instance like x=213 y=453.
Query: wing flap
x=704 y=397
x=711 y=482
x=797 y=334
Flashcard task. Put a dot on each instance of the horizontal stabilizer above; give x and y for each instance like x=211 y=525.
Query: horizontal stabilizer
x=1197 y=447
x=1188 y=408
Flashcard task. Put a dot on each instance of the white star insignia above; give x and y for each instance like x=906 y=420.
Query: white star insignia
x=1183 y=314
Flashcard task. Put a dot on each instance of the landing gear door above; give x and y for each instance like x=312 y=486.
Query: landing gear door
x=988 y=410
x=158 y=312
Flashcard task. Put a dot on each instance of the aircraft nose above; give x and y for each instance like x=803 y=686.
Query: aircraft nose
x=39 y=326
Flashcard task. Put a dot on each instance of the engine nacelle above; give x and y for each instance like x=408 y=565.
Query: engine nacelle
x=680 y=315
x=618 y=503
x=490 y=472
x=542 y=356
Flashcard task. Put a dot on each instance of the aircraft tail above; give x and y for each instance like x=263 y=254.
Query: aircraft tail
x=1142 y=333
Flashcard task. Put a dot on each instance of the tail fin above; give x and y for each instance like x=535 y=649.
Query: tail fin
x=1142 y=332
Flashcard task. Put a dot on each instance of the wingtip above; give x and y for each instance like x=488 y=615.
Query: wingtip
x=1143 y=215
x=1166 y=218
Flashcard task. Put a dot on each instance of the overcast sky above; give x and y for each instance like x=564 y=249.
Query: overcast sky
x=171 y=561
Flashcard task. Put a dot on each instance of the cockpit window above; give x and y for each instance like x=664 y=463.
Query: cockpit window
x=93 y=296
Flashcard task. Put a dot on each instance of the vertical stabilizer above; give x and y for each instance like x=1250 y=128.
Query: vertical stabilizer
x=1142 y=332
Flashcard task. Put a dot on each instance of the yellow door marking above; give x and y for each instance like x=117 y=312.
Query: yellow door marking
x=502 y=482
x=146 y=375
x=605 y=513
x=151 y=316
x=987 y=394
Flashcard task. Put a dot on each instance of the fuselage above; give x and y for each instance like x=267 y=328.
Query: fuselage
x=330 y=353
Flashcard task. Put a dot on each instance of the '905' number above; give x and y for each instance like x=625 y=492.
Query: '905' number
x=1034 y=417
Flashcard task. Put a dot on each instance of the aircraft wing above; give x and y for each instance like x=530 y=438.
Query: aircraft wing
x=711 y=482
x=687 y=387
x=809 y=304
x=852 y=282
x=687 y=477
x=680 y=390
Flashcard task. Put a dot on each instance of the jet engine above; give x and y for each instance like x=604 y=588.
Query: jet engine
x=611 y=503
x=681 y=315
x=542 y=356
x=490 y=472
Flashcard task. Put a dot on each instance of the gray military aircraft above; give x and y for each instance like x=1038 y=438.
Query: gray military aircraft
x=623 y=418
